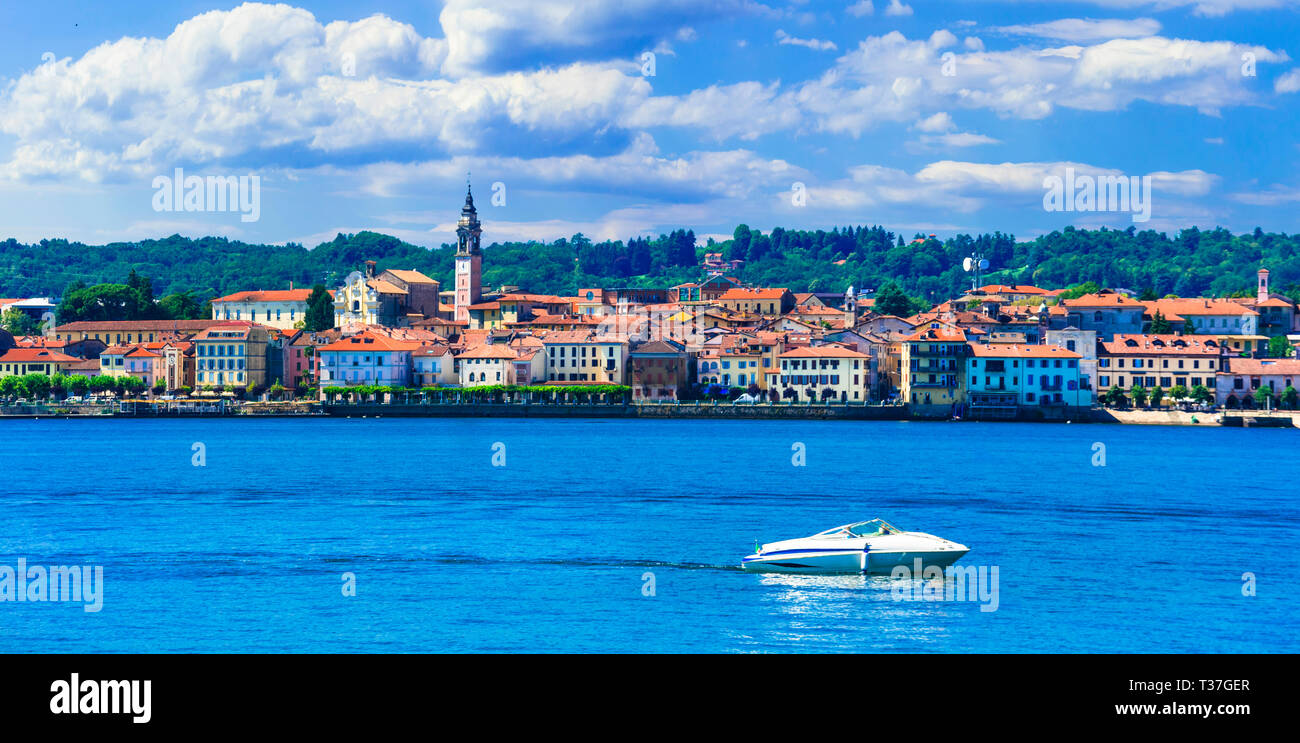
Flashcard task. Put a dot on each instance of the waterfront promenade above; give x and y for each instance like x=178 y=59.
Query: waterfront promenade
x=432 y=408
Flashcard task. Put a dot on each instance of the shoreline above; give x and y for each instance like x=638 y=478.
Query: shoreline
x=691 y=411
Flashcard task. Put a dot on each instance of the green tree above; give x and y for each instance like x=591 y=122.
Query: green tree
x=1160 y=325
x=1279 y=347
x=1202 y=394
x=1264 y=395
x=1290 y=398
x=35 y=386
x=1139 y=395
x=78 y=384
x=182 y=306
x=1178 y=392
x=891 y=300
x=320 y=310
x=1114 y=397
x=18 y=323
x=1157 y=395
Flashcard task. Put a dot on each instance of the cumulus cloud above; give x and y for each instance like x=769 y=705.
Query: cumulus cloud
x=898 y=8
x=1288 y=83
x=262 y=85
x=892 y=78
x=509 y=34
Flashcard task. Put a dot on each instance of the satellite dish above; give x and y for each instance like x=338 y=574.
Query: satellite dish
x=984 y=263
x=966 y=264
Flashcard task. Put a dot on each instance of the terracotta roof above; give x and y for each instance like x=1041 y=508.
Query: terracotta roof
x=36 y=356
x=1102 y=301
x=272 y=295
x=1012 y=289
x=489 y=351
x=942 y=334
x=385 y=287
x=1260 y=367
x=370 y=341
x=1017 y=350
x=410 y=277
x=747 y=294
x=823 y=352
x=1198 y=306
x=1162 y=344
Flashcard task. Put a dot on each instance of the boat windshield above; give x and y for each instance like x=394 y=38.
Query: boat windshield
x=872 y=528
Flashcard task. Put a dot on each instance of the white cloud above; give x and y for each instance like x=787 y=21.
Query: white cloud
x=861 y=8
x=816 y=44
x=970 y=186
x=508 y=34
x=1209 y=8
x=640 y=171
x=262 y=82
x=891 y=79
x=1289 y=82
x=1086 y=29
x=1275 y=195
x=898 y=8
x=940 y=122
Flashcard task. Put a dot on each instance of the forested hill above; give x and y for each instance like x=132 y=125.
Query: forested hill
x=1190 y=263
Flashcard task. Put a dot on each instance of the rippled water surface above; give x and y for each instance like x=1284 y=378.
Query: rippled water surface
x=558 y=549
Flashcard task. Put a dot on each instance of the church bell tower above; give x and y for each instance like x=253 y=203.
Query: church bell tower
x=469 y=258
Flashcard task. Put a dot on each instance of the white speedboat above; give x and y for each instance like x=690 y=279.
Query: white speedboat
x=874 y=546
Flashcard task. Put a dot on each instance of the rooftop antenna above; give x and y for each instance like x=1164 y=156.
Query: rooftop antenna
x=975 y=264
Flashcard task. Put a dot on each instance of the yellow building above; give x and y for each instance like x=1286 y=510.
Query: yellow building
x=932 y=367
x=1158 y=360
x=19 y=361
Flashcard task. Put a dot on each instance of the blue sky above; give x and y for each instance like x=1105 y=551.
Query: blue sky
x=938 y=117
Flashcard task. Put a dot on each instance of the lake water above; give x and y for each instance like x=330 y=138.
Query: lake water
x=558 y=549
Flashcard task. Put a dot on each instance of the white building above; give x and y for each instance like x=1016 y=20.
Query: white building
x=278 y=308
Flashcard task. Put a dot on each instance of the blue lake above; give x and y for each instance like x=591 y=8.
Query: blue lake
x=558 y=549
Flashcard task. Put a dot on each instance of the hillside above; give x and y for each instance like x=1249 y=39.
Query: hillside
x=1190 y=263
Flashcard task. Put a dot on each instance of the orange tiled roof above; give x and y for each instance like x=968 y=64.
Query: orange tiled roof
x=1102 y=301
x=737 y=293
x=1022 y=351
x=823 y=352
x=1199 y=306
x=1260 y=367
x=1162 y=344
x=489 y=351
x=942 y=334
x=36 y=356
x=271 y=295
x=370 y=341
